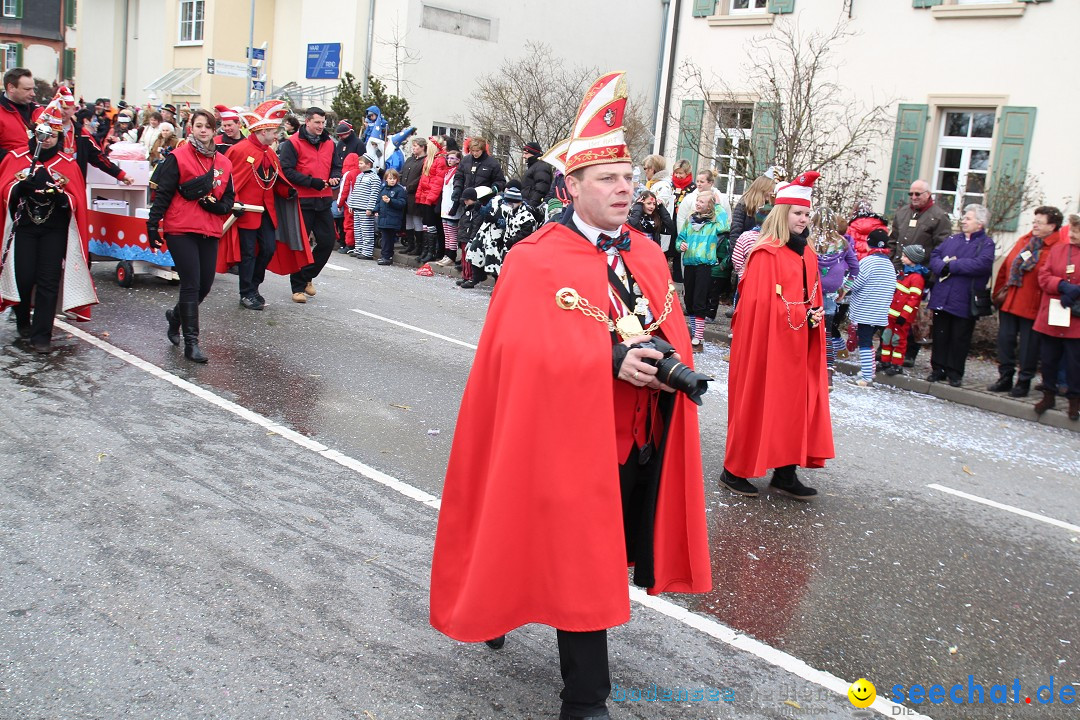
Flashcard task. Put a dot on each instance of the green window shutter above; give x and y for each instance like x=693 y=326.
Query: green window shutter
x=1009 y=167
x=907 y=153
x=69 y=64
x=763 y=137
x=779 y=7
x=18 y=55
x=69 y=13
x=925 y=3
x=1034 y=1
x=704 y=8
x=693 y=112
x=19 y=11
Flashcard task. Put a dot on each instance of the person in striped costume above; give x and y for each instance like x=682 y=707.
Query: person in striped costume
x=904 y=308
x=871 y=296
x=363 y=198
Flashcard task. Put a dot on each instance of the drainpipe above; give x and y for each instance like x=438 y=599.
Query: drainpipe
x=370 y=42
x=124 y=53
x=660 y=67
x=670 y=62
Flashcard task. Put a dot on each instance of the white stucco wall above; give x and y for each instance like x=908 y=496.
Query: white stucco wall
x=42 y=60
x=913 y=55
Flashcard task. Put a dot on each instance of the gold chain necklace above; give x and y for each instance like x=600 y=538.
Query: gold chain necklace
x=569 y=299
x=789 y=303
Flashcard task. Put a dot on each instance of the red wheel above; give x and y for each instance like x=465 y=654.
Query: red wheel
x=125 y=274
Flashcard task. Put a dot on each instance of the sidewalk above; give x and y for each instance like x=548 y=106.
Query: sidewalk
x=979 y=373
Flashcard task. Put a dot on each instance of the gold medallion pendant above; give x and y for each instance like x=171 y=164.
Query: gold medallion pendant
x=629 y=326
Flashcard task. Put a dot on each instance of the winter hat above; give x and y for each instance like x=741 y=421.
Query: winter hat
x=368 y=159
x=344 y=128
x=533 y=148
x=915 y=253
x=64 y=97
x=512 y=194
x=878 y=239
x=469 y=194
x=798 y=191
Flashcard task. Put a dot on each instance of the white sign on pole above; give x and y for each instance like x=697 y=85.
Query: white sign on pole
x=227 y=68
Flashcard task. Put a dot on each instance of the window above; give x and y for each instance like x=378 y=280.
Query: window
x=455 y=131
x=963 y=158
x=11 y=56
x=13 y=8
x=191 y=21
x=748 y=6
x=731 y=153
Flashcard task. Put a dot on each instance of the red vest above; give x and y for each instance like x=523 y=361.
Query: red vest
x=246 y=157
x=14 y=134
x=187 y=216
x=313 y=161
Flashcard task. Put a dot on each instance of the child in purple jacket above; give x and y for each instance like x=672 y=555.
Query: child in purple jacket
x=837 y=262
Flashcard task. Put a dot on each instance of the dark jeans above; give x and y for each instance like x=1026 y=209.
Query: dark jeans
x=1009 y=327
x=952 y=341
x=39 y=256
x=866 y=333
x=321 y=223
x=195 y=258
x=1054 y=351
x=389 y=235
x=696 y=281
x=257 y=247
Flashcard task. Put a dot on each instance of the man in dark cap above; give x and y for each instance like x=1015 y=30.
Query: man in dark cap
x=538 y=174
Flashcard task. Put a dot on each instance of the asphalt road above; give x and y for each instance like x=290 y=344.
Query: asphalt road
x=252 y=538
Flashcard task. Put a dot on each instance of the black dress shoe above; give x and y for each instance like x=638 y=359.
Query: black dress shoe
x=41 y=347
x=1021 y=389
x=1003 y=384
x=792 y=487
x=468 y=284
x=496 y=643
x=737 y=485
x=597 y=715
x=935 y=377
x=23 y=330
x=892 y=370
x=956 y=383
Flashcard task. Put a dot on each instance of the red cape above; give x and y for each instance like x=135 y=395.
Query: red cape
x=75 y=189
x=778 y=388
x=286 y=260
x=530 y=528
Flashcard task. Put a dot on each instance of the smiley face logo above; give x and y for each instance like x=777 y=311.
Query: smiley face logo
x=862 y=693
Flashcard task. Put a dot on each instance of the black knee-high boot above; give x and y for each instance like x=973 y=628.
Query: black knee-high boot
x=418 y=244
x=430 y=240
x=407 y=242
x=173 y=316
x=189 y=322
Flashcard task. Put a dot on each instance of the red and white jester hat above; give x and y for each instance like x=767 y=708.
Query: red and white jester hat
x=798 y=191
x=266 y=115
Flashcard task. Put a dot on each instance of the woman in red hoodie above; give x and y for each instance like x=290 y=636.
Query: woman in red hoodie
x=429 y=197
x=350 y=169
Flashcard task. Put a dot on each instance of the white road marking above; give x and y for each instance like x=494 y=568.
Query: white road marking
x=415 y=329
x=712 y=628
x=1007 y=508
x=332 y=266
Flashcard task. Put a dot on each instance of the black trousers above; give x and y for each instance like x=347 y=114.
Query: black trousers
x=39 y=258
x=195 y=258
x=1056 y=350
x=696 y=282
x=583 y=660
x=257 y=247
x=952 y=342
x=1012 y=328
x=389 y=237
x=319 y=221
x=912 y=350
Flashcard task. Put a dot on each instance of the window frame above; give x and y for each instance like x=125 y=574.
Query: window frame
x=11 y=56
x=966 y=145
x=199 y=24
x=742 y=139
x=732 y=10
x=13 y=12
x=458 y=132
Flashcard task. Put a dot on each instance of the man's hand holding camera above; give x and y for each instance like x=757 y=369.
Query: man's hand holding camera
x=636 y=371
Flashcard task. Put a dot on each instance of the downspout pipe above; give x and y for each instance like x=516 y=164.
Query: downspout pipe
x=124 y=53
x=370 y=42
x=665 y=4
x=670 y=60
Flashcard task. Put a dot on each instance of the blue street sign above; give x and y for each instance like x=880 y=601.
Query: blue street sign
x=258 y=85
x=254 y=72
x=323 y=61
x=257 y=53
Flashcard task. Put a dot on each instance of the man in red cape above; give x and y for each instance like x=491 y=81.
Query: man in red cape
x=778 y=388
x=274 y=239
x=45 y=242
x=570 y=460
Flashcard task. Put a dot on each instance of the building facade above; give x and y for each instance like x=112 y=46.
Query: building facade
x=975 y=96
x=35 y=34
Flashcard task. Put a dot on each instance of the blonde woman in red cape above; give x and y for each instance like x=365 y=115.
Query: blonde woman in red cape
x=571 y=460
x=44 y=256
x=778 y=388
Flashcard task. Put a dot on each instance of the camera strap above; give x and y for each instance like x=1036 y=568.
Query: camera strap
x=626 y=294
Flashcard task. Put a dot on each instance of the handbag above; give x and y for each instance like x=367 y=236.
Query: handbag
x=981 y=305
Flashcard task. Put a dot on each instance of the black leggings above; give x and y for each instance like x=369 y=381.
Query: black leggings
x=195 y=258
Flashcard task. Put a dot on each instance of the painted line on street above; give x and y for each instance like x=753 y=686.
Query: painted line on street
x=332 y=266
x=1007 y=508
x=712 y=628
x=415 y=329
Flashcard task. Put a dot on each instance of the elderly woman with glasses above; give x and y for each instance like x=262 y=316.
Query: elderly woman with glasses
x=962 y=265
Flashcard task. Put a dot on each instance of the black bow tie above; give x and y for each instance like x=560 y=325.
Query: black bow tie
x=606 y=242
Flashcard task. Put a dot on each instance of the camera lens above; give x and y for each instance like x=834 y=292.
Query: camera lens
x=676 y=375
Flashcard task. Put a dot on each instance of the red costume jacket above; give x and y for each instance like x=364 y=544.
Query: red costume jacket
x=246 y=156
x=778 y=390
x=77 y=287
x=530 y=527
x=906 y=299
x=187 y=216
x=14 y=132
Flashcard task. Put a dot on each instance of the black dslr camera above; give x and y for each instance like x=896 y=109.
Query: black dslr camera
x=673 y=373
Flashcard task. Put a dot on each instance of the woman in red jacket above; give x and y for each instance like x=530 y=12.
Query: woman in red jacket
x=194 y=194
x=429 y=197
x=1059 y=278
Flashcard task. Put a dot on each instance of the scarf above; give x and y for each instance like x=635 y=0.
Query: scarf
x=699 y=221
x=1020 y=265
x=682 y=183
x=921 y=269
x=209 y=149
